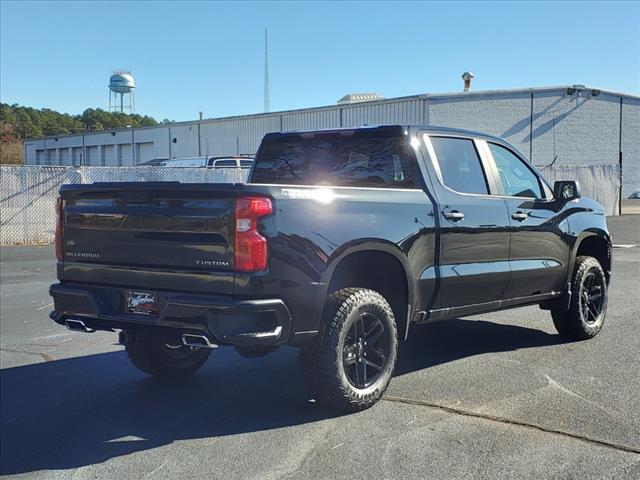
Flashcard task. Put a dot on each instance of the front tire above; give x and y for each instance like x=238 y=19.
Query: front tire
x=155 y=357
x=356 y=349
x=584 y=317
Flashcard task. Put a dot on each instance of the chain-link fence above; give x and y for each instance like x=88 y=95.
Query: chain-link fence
x=27 y=193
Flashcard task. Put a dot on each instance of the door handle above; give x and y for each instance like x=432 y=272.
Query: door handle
x=453 y=215
x=520 y=216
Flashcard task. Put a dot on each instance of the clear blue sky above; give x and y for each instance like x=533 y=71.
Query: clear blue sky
x=200 y=56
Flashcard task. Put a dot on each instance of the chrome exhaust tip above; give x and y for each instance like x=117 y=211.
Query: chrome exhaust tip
x=195 y=340
x=77 y=326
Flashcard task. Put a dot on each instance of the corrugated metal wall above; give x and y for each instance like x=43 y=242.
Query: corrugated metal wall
x=577 y=130
x=630 y=146
x=311 y=119
x=233 y=136
x=399 y=111
x=545 y=125
x=506 y=116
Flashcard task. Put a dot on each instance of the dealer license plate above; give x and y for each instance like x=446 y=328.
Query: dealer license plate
x=142 y=303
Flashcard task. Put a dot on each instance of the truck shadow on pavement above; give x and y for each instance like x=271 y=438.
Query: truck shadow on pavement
x=80 y=411
x=442 y=342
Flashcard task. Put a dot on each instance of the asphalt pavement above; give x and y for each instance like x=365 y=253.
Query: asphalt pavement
x=494 y=396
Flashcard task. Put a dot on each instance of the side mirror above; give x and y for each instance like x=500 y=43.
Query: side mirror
x=566 y=190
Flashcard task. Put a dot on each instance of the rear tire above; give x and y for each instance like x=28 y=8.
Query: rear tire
x=355 y=352
x=584 y=317
x=154 y=357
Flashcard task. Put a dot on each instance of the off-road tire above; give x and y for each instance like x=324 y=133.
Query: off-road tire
x=154 y=357
x=329 y=376
x=572 y=323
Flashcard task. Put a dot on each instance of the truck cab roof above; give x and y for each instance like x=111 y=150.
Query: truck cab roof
x=392 y=129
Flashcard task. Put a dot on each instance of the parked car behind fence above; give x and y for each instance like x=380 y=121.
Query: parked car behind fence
x=239 y=161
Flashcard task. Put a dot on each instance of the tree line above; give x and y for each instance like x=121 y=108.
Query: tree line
x=19 y=122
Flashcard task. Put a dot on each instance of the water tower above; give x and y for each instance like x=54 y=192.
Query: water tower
x=122 y=83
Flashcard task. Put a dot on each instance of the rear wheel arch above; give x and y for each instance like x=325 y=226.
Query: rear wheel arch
x=382 y=268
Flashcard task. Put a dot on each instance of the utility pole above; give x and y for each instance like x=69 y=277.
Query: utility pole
x=266 y=73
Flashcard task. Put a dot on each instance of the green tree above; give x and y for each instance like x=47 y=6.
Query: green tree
x=29 y=122
x=10 y=145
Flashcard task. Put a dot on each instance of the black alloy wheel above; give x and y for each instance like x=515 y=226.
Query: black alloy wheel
x=591 y=296
x=366 y=350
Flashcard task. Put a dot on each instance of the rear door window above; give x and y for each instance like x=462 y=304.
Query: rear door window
x=337 y=159
x=460 y=165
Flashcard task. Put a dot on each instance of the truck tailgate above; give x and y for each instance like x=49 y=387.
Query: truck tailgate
x=158 y=227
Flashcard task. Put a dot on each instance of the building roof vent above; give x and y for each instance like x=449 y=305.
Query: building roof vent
x=359 y=97
x=467 y=77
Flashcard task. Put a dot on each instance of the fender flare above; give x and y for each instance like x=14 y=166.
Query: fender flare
x=379 y=246
x=589 y=233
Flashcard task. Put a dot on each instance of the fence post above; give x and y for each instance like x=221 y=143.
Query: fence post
x=24 y=187
x=620 y=162
x=531 y=131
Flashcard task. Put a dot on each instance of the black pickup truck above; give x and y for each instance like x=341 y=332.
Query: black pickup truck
x=340 y=242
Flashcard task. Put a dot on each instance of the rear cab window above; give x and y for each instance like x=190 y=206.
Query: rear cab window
x=460 y=166
x=375 y=158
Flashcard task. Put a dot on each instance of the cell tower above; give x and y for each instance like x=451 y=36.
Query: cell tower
x=122 y=83
x=266 y=73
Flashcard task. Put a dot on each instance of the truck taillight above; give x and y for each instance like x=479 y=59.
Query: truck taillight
x=58 y=234
x=250 y=247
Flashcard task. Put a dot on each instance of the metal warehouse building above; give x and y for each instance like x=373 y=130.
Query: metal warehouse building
x=571 y=125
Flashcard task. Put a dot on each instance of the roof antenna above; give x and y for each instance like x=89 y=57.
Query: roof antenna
x=266 y=73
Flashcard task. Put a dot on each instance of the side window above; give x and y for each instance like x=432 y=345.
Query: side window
x=460 y=165
x=517 y=179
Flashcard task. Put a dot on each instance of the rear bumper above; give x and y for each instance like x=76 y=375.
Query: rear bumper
x=223 y=319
